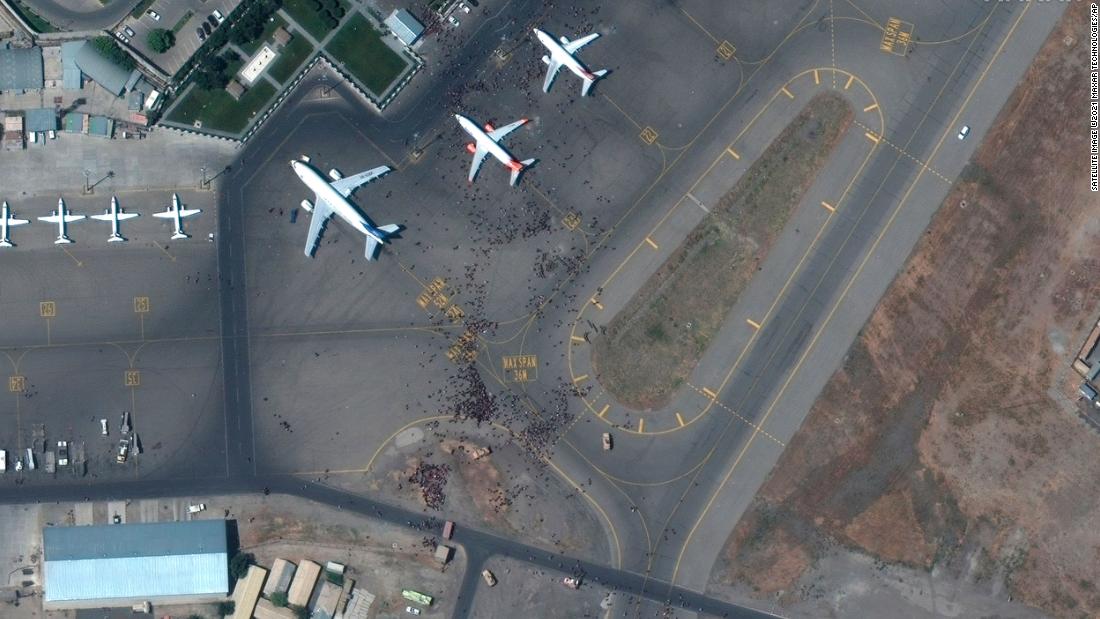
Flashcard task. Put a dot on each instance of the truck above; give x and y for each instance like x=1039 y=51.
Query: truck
x=123 y=451
x=30 y=459
x=416 y=597
x=3 y=460
x=571 y=582
x=489 y=578
x=607 y=444
x=62 y=453
x=448 y=529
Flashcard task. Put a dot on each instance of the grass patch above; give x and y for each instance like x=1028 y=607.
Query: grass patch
x=290 y=58
x=361 y=49
x=219 y=111
x=309 y=18
x=182 y=22
x=34 y=20
x=140 y=9
x=654 y=343
x=269 y=30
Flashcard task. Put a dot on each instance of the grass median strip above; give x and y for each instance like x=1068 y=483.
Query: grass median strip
x=652 y=345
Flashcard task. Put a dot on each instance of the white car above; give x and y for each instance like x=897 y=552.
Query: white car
x=464 y=8
x=103 y=426
x=451 y=20
x=196 y=508
x=153 y=14
x=412 y=611
x=965 y=131
x=218 y=16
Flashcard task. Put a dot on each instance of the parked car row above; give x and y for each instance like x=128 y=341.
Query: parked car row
x=209 y=24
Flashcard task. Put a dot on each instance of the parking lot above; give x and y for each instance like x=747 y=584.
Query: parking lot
x=171 y=13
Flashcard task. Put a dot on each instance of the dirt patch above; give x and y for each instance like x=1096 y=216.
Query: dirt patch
x=650 y=347
x=949 y=438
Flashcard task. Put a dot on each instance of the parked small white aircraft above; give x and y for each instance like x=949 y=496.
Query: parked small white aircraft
x=176 y=213
x=114 y=215
x=487 y=141
x=7 y=220
x=332 y=198
x=564 y=54
x=61 y=217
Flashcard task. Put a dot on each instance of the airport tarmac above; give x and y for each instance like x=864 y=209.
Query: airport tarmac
x=322 y=344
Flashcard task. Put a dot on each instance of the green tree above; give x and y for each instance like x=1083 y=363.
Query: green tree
x=300 y=612
x=160 y=40
x=278 y=599
x=238 y=565
x=110 y=50
x=227 y=608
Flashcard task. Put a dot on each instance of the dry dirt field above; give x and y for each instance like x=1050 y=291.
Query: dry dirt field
x=948 y=441
x=654 y=343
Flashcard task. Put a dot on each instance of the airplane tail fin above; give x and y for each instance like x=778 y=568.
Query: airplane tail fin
x=5 y=243
x=390 y=229
x=523 y=165
x=62 y=240
x=179 y=235
x=589 y=82
x=115 y=238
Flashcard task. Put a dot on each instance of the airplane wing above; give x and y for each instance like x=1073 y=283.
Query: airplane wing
x=479 y=158
x=72 y=218
x=17 y=222
x=187 y=212
x=321 y=212
x=126 y=216
x=499 y=134
x=165 y=214
x=49 y=219
x=106 y=217
x=349 y=184
x=551 y=72
x=573 y=46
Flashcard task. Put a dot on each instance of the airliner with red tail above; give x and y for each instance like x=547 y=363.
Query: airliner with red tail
x=487 y=141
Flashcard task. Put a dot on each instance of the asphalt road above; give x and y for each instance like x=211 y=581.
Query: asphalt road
x=82 y=14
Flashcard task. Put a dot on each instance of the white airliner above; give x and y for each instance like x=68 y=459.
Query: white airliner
x=564 y=53
x=114 y=215
x=332 y=198
x=487 y=141
x=61 y=217
x=177 y=213
x=7 y=220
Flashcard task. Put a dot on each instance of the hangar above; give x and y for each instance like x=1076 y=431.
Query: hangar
x=123 y=564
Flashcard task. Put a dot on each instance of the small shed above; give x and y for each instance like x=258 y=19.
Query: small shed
x=404 y=26
x=101 y=126
x=235 y=89
x=282 y=36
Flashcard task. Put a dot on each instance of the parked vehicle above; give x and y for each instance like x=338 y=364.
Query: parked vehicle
x=489 y=578
x=452 y=20
x=123 y=451
x=153 y=14
x=30 y=459
x=607 y=443
x=412 y=611
x=124 y=425
x=103 y=426
x=572 y=583
x=202 y=35
x=62 y=453
x=448 y=529
x=129 y=32
x=3 y=460
x=218 y=16
x=965 y=131
x=196 y=508
x=122 y=37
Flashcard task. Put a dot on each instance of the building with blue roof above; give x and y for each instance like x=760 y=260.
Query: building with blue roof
x=404 y=26
x=21 y=69
x=123 y=564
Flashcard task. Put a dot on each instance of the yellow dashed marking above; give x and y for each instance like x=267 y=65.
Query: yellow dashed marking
x=734 y=413
x=848 y=84
x=651 y=243
x=817 y=80
x=581 y=378
x=641 y=426
x=753 y=324
x=603 y=411
x=870 y=107
x=680 y=419
x=733 y=153
x=870 y=136
x=828 y=207
x=786 y=92
x=710 y=394
x=596 y=303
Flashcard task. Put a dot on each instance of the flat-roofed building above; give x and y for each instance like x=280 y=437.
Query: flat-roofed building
x=404 y=26
x=305 y=578
x=282 y=571
x=123 y=564
x=247 y=592
x=21 y=69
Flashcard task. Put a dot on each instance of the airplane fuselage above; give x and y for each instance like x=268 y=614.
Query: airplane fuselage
x=489 y=144
x=563 y=56
x=341 y=206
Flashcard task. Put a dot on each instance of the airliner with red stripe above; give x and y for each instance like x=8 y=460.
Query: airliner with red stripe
x=487 y=141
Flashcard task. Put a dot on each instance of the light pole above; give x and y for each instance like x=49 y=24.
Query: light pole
x=203 y=184
x=87 y=181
